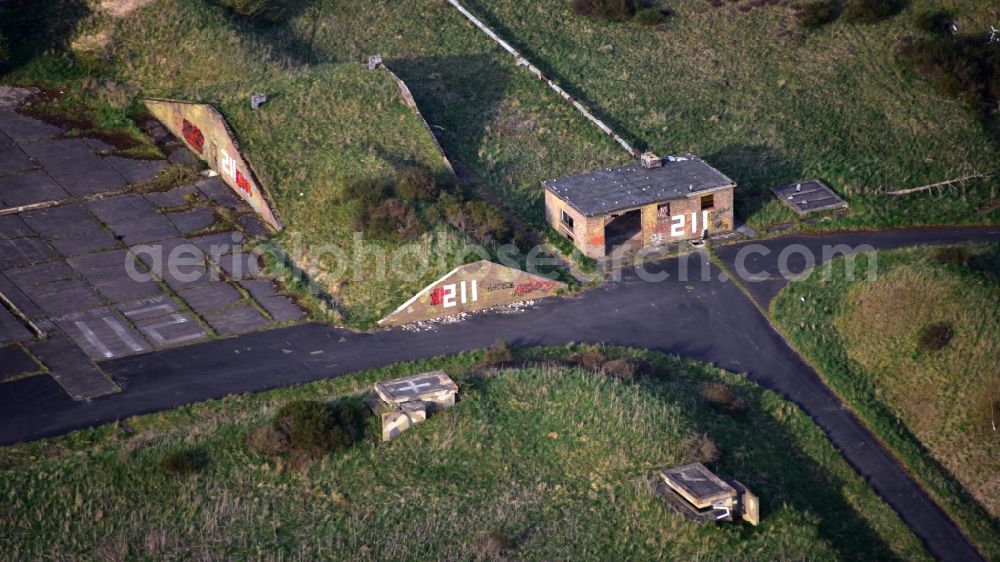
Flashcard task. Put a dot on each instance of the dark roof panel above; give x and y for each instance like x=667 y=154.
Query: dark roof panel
x=631 y=185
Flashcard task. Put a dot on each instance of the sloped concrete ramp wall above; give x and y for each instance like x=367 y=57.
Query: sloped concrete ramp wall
x=472 y=287
x=205 y=132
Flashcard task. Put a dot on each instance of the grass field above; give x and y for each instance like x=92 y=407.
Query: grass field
x=555 y=460
x=769 y=106
x=329 y=121
x=719 y=82
x=914 y=352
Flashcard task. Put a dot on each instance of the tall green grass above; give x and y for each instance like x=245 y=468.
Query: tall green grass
x=558 y=460
x=930 y=408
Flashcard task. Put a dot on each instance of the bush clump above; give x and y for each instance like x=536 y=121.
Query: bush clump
x=817 y=14
x=311 y=428
x=417 y=184
x=936 y=336
x=611 y=10
x=952 y=255
x=182 y=463
x=499 y=354
x=933 y=21
x=493 y=545
x=265 y=10
x=590 y=359
x=701 y=448
x=966 y=67
x=649 y=16
x=621 y=369
x=869 y=11
x=403 y=208
x=722 y=398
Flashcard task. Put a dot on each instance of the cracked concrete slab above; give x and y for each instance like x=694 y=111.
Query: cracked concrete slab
x=193 y=220
x=70 y=229
x=282 y=308
x=25 y=129
x=12 y=226
x=30 y=187
x=11 y=330
x=174 y=329
x=109 y=273
x=175 y=197
x=219 y=243
x=23 y=251
x=218 y=192
x=136 y=171
x=60 y=297
x=210 y=298
x=133 y=219
x=102 y=333
x=74 y=166
x=72 y=369
x=242 y=265
x=236 y=320
x=14 y=361
x=14 y=160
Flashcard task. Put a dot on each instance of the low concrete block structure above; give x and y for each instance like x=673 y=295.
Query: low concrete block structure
x=652 y=202
x=695 y=493
x=404 y=402
x=809 y=197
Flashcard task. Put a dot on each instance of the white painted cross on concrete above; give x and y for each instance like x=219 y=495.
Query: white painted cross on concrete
x=411 y=386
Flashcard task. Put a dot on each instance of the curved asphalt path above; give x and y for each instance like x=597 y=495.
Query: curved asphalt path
x=697 y=315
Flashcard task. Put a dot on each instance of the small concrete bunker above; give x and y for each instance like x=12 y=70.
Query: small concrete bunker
x=404 y=402
x=809 y=197
x=651 y=202
x=694 y=492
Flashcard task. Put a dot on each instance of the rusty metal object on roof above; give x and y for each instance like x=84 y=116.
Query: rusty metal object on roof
x=809 y=197
x=521 y=61
x=205 y=132
x=696 y=493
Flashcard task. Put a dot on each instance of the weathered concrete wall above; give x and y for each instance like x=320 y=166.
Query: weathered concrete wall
x=683 y=219
x=206 y=133
x=587 y=233
x=472 y=287
x=672 y=221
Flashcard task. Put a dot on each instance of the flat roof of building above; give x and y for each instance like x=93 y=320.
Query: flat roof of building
x=809 y=196
x=632 y=185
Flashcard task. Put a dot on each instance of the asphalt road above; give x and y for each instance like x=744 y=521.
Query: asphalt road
x=698 y=315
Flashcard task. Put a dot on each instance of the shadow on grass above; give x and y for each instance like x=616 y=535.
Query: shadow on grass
x=34 y=27
x=776 y=469
x=593 y=106
x=755 y=169
x=459 y=95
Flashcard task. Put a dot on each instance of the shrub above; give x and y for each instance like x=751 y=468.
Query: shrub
x=621 y=369
x=269 y=440
x=966 y=67
x=869 y=11
x=311 y=428
x=366 y=193
x=936 y=336
x=493 y=545
x=816 y=14
x=266 y=10
x=952 y=255
x=722 y=398
x=182 y=463
x=499 y=354
x=933 y=21
x=649 y=16
x=590 y=359
x=486 y=222
x=393 y=218
x=701 y=448
x=416 y=184
x=612 y=10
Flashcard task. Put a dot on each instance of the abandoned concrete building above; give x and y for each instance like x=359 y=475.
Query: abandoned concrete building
x=652 y=202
